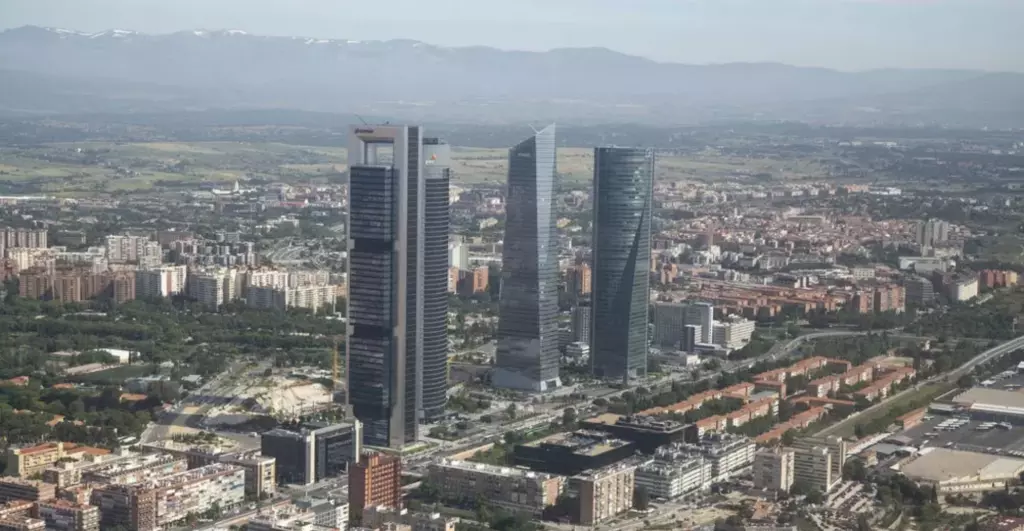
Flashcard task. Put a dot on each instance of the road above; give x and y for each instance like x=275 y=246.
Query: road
x=952 y=376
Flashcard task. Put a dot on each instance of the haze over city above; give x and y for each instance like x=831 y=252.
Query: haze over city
x=841 y=34
x=696 y=265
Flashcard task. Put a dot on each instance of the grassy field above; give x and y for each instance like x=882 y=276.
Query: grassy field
x=926 y=393
x=98 y=167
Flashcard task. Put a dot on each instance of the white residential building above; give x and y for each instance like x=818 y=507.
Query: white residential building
x=672 y=474
x=163 y=281
x=773 y=469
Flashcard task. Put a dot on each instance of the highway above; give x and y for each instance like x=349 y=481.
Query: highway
x=950 y=377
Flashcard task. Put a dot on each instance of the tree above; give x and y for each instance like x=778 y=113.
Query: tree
x=814 y=496
x=569 y=417
x=510 y=411
x=641 y=498
x=793 y=330
x=966 y=381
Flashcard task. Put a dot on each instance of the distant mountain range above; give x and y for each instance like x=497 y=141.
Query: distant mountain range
x=46 y=70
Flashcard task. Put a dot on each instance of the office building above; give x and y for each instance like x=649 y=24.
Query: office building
x=14 y=489
x=605 y=493
x=513 y=489
x=581 y=322
x=397 y=266
x=164 y=281
x=527 y=354
x=313 y=452
x=701 y=314
x=161 y=502
x=773 y=469
x=671 y=474
x=375 y=480
x=648 y=432
x=623 y=184
x=62 y=515
x=813 y=468
x=689 y=338
x=836 y=447
x=733 y=333
x=573 y=452
x=669 y=318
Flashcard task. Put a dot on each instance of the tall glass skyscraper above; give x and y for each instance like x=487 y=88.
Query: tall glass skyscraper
x=394 y=309
x=527 y=355
x=623 y=184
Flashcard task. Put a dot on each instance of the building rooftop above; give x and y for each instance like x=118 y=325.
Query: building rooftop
x=990 y=397
x=211 y=447
x=495 y=470
x=941 y=464
x=581 y=442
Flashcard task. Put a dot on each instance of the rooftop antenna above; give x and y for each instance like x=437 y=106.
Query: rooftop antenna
x=361 y=119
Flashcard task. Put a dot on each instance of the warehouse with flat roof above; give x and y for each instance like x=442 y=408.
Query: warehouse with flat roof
x=997 y=405
x=955 y=471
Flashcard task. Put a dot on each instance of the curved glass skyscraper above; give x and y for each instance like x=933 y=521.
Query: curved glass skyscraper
x=527 y=355
x=623 y=184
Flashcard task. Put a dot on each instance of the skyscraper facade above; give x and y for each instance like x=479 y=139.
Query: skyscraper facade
x=623 y=183
x=393 y=309
x=527 y=354
x=437 y=174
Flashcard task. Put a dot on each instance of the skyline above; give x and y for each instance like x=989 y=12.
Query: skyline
x=850 y=35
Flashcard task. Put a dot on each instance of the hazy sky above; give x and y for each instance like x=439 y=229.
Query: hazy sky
x=844 y=34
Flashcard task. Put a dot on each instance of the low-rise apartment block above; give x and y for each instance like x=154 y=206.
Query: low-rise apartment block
x=14 y=489
x=157 y=503
x=671 y=474
x=62 y=515
x=513 y=489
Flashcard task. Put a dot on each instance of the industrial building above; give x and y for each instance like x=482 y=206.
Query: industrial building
x=955 y=471
x=992 y=405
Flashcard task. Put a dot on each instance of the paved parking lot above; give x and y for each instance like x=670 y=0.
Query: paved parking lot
x=968 y=437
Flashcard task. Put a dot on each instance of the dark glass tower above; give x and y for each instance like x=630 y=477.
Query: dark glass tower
x=392 y=308
x=623 y=183
x=437 y=170
x=527 y=355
